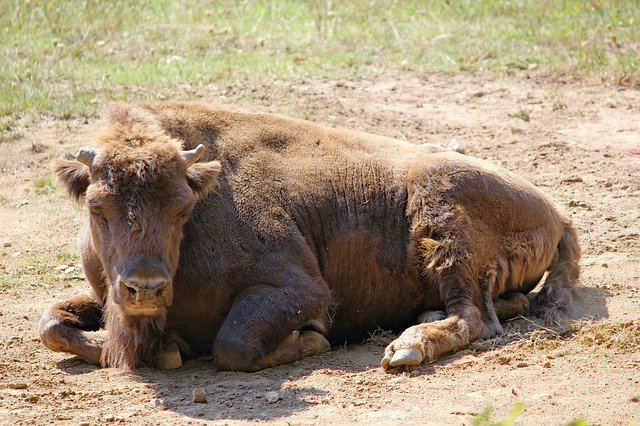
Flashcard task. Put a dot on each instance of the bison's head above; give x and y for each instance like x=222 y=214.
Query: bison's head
x=140 y=189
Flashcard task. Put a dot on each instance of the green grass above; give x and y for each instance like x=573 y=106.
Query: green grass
x=38 y=265
x=66 y=58
x=44 y=185
x=9 y=129
x=483 y=418
x=66 y=257
x=35 y=269
x=9 y=280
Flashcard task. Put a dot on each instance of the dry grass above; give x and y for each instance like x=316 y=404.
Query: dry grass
x=525 y=338
x=381 y=337
x=621 y=337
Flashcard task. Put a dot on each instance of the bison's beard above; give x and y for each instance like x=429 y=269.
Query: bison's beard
x=131 y=340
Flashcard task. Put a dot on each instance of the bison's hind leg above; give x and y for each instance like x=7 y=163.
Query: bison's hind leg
x=465 y=292
x=467 y=319
x=72 y=326
x=505 y=308
x=554 y=302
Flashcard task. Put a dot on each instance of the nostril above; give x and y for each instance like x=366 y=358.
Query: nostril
x=132 y=290
x=161 y=289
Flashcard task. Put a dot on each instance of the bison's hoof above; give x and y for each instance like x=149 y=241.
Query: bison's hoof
x=402 y=357
x=170 y=358
x=313 y=343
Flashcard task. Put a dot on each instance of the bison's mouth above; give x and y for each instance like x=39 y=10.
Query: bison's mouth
x=146 y=311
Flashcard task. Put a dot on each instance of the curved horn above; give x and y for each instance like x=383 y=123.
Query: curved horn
x=86 y=155
x=193 y=155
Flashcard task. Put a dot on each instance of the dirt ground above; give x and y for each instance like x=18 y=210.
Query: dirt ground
x=579 y=143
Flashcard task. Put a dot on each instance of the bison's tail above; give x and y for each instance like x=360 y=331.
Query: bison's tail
x=554 y=302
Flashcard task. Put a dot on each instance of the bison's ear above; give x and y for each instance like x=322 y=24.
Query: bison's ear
x=202 y=177
x=74 y=176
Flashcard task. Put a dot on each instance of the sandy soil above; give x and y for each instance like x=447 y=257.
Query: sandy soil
x=580 y=144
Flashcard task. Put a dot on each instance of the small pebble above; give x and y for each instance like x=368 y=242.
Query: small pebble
x=455 y=146
x=522 y=364
x=272 y=397
x=199 y=396
x=547 y=364
x=158 y=403
x=69 y=270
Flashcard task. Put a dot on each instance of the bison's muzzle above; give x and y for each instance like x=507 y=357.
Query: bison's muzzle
x=144 y=293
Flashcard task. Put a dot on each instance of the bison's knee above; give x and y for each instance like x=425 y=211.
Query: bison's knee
x=232 y=354
x=71 y=327
x=52 y=331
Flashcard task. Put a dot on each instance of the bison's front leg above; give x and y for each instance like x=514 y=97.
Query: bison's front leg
x=269 y=326
x=72 y=326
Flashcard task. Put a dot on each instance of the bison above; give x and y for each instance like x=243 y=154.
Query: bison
x=260 y=240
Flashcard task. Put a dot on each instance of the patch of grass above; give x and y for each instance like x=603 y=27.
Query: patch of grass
x=9 y=280
x=381 y=337
x=44 y=185
x=66 y=58
x=483 y=418
x=38 y=265
x=522 y=114
x=9 y=130
x=618 y=336
x=578 y=422
x=66 y=257
x=39 y=268
x=38 y=148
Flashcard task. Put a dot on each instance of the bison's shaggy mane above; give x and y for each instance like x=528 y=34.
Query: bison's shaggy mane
x=131 y=340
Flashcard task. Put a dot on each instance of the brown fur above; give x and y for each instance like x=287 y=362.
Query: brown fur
x=310 y=231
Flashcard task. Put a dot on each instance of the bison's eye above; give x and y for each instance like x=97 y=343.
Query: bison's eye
x=99 y=219
x=182 y=218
